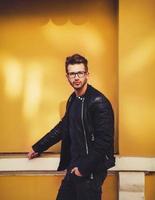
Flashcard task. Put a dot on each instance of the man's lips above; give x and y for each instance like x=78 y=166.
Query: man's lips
x=77 y=83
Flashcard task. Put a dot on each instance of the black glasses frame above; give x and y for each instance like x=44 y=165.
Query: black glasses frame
x=80 y=74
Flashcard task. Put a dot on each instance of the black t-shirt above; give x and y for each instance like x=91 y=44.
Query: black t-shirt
x=76 y=131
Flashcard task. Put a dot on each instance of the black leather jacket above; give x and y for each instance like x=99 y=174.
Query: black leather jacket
x=98 y=134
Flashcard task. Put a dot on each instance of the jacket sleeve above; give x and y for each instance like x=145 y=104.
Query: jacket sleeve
x=103 y=123
x=51 y=138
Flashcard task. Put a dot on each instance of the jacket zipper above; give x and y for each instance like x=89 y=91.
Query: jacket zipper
x=85 y=137
x=86 y=144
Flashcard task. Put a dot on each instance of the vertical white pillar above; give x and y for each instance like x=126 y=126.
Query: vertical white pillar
x=131 y=185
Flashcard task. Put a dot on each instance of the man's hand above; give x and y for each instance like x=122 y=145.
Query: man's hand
x=32 y=154
x=75 y=170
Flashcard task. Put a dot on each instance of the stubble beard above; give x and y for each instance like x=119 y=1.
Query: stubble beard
x=80 y=86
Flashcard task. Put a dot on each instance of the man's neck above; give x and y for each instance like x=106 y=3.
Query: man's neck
x=81 y=91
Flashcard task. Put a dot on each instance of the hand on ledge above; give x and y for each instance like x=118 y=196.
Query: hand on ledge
x=32 y=154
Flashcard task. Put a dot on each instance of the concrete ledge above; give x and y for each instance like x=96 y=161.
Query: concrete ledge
x=131 y=185
x=143 y=164
x=50 y=162
x=130 y=170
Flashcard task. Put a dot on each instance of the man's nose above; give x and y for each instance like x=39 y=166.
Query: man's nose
x=76 y=76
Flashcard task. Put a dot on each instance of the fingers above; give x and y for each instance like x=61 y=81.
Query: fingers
x=32 y=154
x=72 y=171
x=75 y=170
x=29 y=155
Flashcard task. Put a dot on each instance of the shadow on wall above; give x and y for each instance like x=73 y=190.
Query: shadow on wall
x=59 y=11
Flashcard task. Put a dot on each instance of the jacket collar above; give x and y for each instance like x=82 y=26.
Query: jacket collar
x=89 y=87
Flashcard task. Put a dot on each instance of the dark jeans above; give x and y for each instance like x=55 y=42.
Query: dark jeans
x=81 y=188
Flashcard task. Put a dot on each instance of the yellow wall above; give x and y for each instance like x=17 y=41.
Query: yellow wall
x=136 y=78
x=44 y=187
x=33 y=86
x=149 y=187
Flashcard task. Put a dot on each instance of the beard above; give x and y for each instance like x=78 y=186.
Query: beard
x=77 y=85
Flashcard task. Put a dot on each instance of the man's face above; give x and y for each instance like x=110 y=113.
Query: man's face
x=77 y=76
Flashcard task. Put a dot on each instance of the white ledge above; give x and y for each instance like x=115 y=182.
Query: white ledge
x=135 y=164
x=142 y=164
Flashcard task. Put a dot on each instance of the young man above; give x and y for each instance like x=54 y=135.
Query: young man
x=87 y=134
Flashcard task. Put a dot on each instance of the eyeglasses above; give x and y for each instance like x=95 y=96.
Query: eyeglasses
x=80 y=74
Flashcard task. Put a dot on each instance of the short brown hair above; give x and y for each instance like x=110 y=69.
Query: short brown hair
x=76 y=59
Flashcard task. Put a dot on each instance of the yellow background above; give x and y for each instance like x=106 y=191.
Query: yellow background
x=33 y=86
x=45 y=187
x=149 y=187
x=136 y=78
